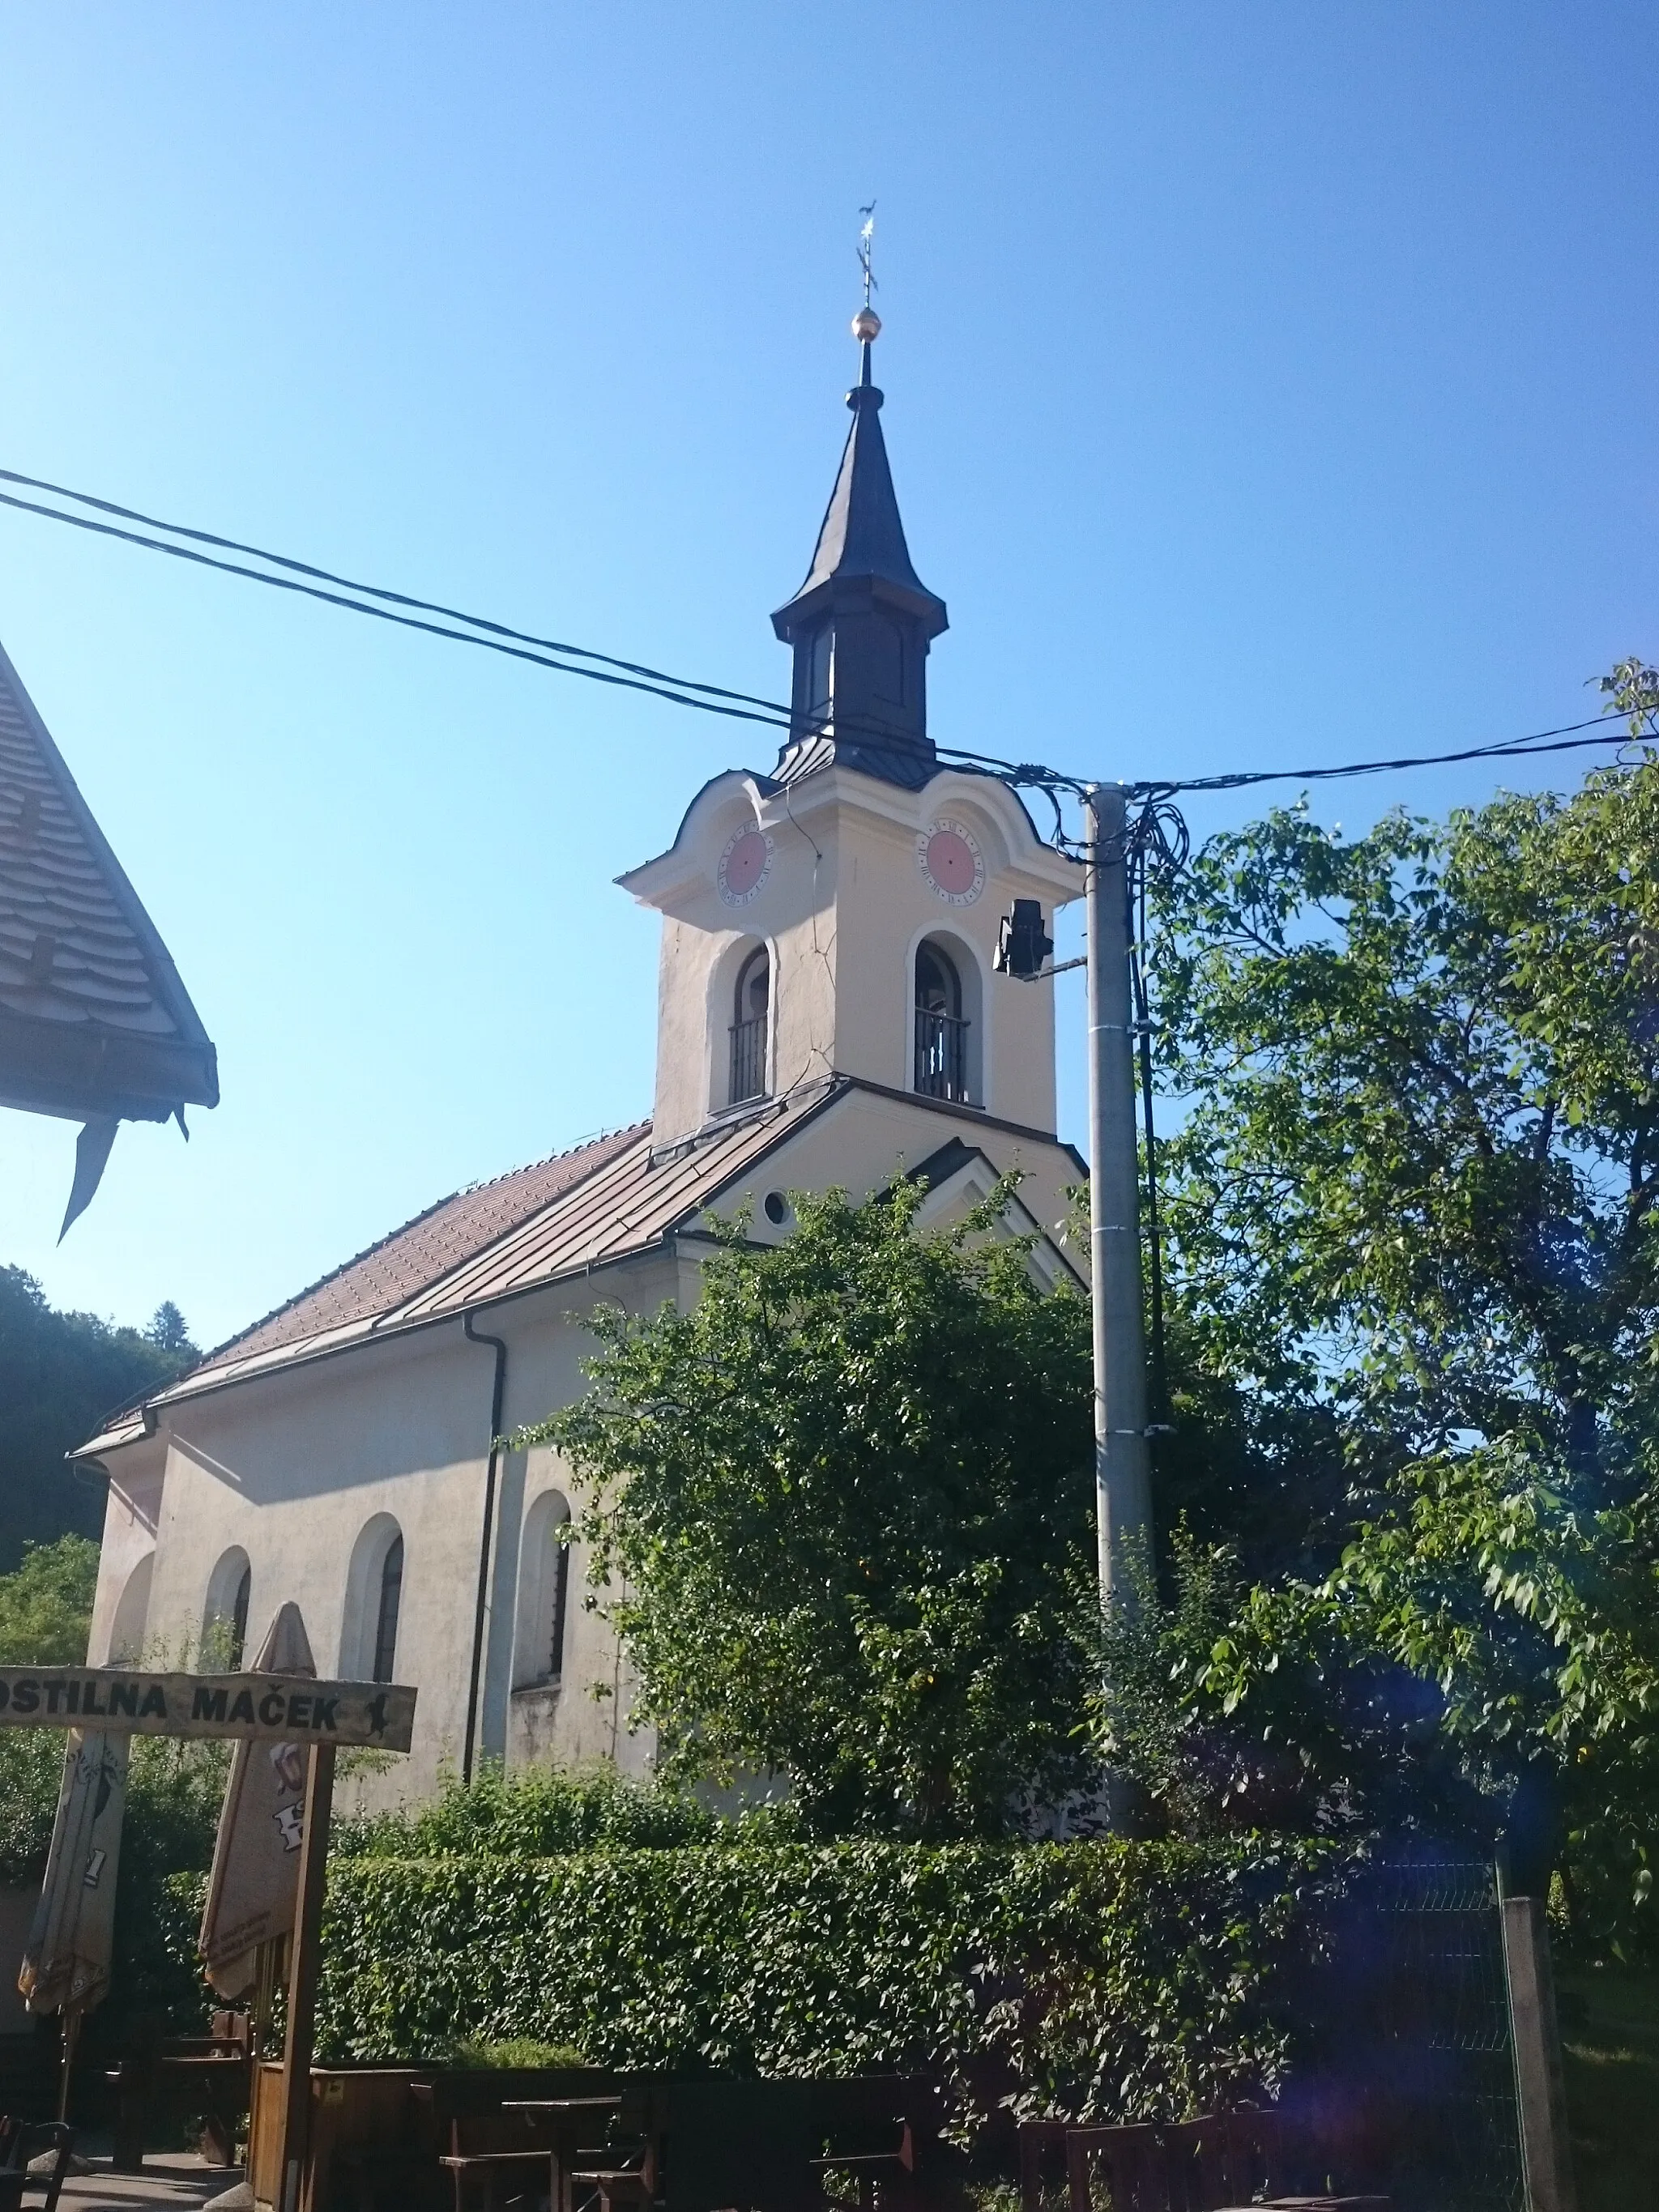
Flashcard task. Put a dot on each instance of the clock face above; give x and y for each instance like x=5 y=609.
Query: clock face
x=950 y=861
x=744 y=865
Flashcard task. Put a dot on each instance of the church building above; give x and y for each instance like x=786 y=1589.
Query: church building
x=828 y=1015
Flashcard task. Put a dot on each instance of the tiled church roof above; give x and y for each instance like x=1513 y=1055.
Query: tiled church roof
x=422 y=1251
x=605 y=1201
x=94 y=1019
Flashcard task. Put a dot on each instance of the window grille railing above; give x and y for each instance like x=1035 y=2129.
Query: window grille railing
x=941 y=1055
x=747 y=1061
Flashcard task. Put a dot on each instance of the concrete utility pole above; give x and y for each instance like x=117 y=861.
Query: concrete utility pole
x=1122 y=1491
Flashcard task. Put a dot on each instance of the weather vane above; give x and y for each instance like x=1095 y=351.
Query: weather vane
x=866 y=323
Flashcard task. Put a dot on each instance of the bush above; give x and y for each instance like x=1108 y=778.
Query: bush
x=520 y=2053
x=31 y=1768
x=535 y=1812
x=1109 y=1979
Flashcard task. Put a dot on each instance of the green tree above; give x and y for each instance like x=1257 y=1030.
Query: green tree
x=60 y=1374
x=836 y=1505
x=46 y=1604
x=1414 y=1198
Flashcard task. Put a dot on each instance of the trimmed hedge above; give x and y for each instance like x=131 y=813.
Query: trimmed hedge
x=1109 y=1979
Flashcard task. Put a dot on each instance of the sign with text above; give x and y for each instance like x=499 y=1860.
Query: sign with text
x=264 y=1708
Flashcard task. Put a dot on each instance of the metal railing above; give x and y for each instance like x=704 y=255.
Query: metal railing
x=941 y=1055
x=747 y=1061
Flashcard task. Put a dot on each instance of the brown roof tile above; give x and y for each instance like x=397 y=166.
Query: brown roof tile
x=422 y=1251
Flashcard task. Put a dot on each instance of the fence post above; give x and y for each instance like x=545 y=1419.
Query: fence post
x=1540 y=2089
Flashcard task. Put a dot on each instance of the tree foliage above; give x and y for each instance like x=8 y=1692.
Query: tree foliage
x=46 y=1604
x=837 y=1504
x=1412 y=1202
x=62 y=1372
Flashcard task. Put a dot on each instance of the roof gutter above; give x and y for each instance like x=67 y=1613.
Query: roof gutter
x=497 y=1399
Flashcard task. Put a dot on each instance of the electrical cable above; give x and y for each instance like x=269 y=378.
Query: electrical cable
x=497 y=637
x=1037 y=776
x=563 y=659
x=374 y=591
x=1509 y=749
x=776 y=719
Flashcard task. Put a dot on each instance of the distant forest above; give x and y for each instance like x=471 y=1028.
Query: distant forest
x=60 y=1374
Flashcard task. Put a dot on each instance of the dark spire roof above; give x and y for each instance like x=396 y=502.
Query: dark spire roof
x=862 y=623
x=862 y=535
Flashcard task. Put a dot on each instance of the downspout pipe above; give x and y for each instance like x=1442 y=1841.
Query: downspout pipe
x=497 y=1399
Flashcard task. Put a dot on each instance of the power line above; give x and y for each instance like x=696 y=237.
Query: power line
x=774 y=718
x=565 y=660
x=1542 y=741
x=369 y=591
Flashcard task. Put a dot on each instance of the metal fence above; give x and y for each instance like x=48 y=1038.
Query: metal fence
x=1442 y=2036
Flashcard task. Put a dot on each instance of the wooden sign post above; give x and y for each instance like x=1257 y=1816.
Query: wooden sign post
x=304 y=1962
x=266 y=1708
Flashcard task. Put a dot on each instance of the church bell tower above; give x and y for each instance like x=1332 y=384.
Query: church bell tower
x=835 y=922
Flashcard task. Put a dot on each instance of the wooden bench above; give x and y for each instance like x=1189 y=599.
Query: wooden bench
x=620 y=2173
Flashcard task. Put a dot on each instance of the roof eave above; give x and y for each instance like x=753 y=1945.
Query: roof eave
x=75 y=1070
x=849 y=588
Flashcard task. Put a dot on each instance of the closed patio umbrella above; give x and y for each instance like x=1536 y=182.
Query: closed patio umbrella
x=66 y=1963
x=256 y=1860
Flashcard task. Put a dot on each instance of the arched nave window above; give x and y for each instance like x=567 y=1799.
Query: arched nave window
x=375 y=1589
x=543 y=1593
x=385 y=1617
x=126 y=1635
x=224 y=1617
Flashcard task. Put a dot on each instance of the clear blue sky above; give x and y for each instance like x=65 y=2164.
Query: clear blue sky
x=1266 y=383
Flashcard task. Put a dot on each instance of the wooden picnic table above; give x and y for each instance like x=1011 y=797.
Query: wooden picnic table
x=479 y=2151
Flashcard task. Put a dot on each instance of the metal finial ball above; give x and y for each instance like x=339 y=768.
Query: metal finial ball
x=866 y=325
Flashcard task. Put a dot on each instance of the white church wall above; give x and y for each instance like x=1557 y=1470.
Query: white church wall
x=866 y=1140
x=131 y=1513
x=294 y=1468
x=842 y=904
x=307 y=1471
x=792 y=913
x=584 y=1715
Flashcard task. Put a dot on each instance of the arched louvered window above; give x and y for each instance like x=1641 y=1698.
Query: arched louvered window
x=751 y=1020
x=941 y=1069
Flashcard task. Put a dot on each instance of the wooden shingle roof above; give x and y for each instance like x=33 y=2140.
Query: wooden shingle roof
x=94 y=1023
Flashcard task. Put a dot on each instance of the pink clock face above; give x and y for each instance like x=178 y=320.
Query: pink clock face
x=950 y=861
x=744 y=865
